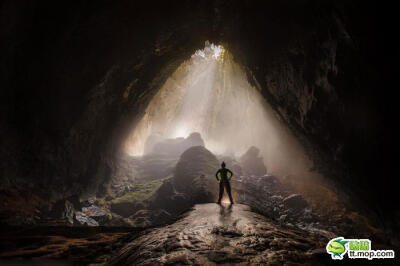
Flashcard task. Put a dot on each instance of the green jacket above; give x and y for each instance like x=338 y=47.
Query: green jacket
x=224 y=174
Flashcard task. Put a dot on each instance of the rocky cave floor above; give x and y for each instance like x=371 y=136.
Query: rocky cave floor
x=222 y=234
x=208 y=234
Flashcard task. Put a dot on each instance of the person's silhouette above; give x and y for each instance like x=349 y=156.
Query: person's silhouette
x=223 y=178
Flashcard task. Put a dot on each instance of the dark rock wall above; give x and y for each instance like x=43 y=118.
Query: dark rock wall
x=75 y=77
x=78 y=76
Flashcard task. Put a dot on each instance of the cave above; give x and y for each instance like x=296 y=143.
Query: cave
x=116 y=115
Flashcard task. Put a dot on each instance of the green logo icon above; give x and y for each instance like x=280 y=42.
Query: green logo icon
x=337 y=248
x=355 y=249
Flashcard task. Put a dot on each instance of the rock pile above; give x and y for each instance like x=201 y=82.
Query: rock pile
x=268 y=196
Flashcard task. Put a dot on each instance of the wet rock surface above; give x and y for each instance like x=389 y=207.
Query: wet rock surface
x=61 y=245
x=209 y=234
x=213 y=234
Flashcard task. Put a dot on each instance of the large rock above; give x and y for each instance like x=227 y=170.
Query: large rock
x=196 y=170
x=83 y=219
x=193 y=182
x=97 y=213
x=167 y=198
x=295 y=202
x=252 y=163
x=175 y=147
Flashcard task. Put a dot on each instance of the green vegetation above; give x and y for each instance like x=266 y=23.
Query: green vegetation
x=154 y=167
x=141 y=193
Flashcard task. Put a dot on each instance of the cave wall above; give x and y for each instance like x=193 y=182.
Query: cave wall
x=77 y=75
x=324 y=66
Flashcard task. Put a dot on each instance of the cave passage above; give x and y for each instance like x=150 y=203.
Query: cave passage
x=210 y=94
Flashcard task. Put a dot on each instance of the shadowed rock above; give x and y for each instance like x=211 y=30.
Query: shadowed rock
x=295 y=201
x=167 y=198
x=193 y=182
x=252 y=163
x=195 y=175
x=125 y=208
x=63 y=209
x=195 y=163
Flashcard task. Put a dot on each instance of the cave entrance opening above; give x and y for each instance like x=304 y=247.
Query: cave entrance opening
x=208 y=101
x=210 y=94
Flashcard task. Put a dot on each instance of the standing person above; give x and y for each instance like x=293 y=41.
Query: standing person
x=223 y=175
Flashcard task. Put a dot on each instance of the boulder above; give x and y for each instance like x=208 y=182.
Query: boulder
x=96 y=213
x=252 y=163
x=167 y=198
x=194 y=139
x=193 y=182
x=295 y=202
x=83 y=219
x=195 y=162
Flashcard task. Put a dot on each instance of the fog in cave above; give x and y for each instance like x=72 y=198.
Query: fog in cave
x=210 y=94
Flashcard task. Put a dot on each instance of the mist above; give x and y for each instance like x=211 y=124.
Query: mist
x=210 y=94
